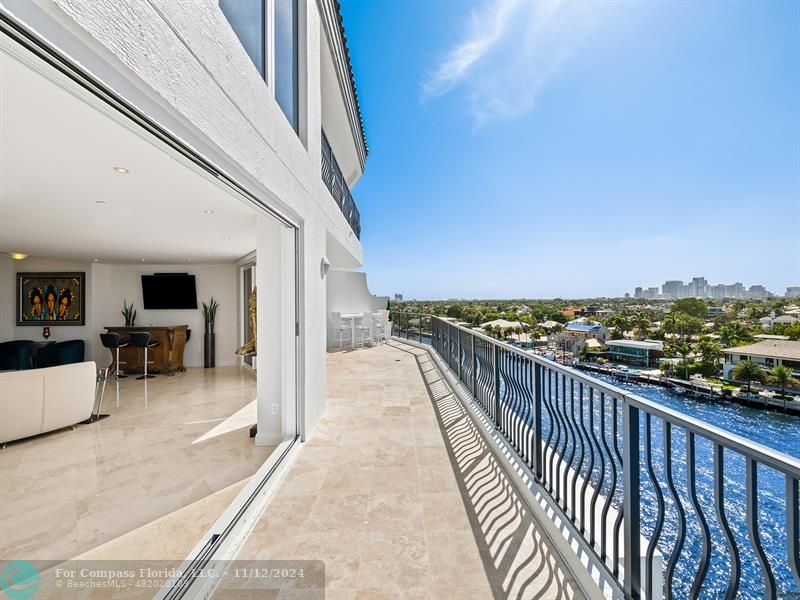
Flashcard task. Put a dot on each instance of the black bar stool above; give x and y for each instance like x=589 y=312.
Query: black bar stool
x=114 y=342
x=141 y=339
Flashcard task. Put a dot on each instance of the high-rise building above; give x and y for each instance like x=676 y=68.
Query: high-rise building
x=398 y=297
x=793 y=291
x=672 y=289
x=698 y=287
x=757 y=292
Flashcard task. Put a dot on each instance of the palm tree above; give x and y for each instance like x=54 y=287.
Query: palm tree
x=641 y=323
x=710 y=350
x=620 y=324
x=670 y=322
x=734 y=334
x=782 y=377
x=684 y=349
x=749 y=371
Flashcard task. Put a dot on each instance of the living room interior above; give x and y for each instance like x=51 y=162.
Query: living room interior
x=90 y=204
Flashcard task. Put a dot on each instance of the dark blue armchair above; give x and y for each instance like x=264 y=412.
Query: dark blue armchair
x=16 y=355
x=60 y=353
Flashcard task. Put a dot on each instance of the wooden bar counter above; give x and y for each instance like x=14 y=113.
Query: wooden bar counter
x=166 y=358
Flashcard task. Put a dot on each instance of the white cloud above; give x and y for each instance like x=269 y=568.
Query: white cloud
x=509 y=52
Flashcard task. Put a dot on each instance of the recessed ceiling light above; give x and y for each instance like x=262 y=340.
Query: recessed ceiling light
x=143 y=260
x=209 y=212
x=96 y=260
x=17 y=256
x=190 y=260
x=100 y=202
x=122 y=170
x=226 y=239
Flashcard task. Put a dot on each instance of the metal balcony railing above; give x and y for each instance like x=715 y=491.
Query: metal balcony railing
x=637 y=480
x=337 y=186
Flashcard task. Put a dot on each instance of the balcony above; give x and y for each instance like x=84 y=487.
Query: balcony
x=337 y=186
x=657 y=503
x=401 y=497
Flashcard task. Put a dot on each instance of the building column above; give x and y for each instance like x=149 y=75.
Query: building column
x=275 y=332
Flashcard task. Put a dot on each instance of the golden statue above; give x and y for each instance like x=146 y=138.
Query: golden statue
x=250 y=347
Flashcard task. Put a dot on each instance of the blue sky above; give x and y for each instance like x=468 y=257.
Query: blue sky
x=577 y=149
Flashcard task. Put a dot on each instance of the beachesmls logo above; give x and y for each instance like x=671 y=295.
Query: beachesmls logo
x=19 y=579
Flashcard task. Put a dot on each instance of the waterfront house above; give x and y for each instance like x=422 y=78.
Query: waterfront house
x=766 y=353
x=635 y=352
x=575 y=334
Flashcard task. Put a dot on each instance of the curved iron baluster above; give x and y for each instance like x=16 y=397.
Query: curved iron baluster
x=484 y=373
x=705 y=553
x=602 y=476
x=590 y=468
x=555 y=430
x=526 y=417
x=681 y=536
x=751 y=483
x=581 y=432
x=514 y=428
x=719 y=505
x=621 y=512
x=659 y=525
x=612 y=488
x=560 y=491
x=568 y=469
x=793 y=527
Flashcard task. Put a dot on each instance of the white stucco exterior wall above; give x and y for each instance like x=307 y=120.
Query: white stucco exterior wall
x=180 y=62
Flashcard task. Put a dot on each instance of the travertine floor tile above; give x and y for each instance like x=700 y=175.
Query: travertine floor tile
x=395 y=506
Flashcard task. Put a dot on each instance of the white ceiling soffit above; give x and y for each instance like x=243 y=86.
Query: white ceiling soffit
x=61 y=197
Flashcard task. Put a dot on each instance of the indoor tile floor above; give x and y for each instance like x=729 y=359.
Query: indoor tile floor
x=71 y=491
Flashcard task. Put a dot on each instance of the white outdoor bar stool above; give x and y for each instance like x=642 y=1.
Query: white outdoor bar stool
x=338 y=327
x=379 y=327
x=364 y=328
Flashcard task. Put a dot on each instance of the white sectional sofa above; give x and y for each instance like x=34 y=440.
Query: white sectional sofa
x=40 y=400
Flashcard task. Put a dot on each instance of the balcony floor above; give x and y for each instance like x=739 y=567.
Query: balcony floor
x=398 y=494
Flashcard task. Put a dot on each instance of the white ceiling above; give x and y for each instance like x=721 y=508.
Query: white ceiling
x=57 y=154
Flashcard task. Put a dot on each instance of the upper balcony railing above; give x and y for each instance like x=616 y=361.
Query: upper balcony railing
x=637 y=481
x=336 y=184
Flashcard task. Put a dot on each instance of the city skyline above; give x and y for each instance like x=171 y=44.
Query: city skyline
x=700 y=287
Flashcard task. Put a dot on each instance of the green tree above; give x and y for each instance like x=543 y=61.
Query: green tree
x=734 y=333
x=792 y=331
x=782 y=377
x=454 y=311
x=670 y=322
x=691 y=306
x=641 y=322
x=710 y=351
x=748 y=371
x=619 y=324
x=683 y=348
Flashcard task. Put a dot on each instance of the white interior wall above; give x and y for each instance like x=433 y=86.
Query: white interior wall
x=7 y=307
x=114 y=283
x=58 y=333
x=108 y=285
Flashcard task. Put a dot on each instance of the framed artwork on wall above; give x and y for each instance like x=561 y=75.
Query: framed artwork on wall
x=47 y=299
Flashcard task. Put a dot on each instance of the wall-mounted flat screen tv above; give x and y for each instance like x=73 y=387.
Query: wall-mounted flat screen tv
x=169 y=291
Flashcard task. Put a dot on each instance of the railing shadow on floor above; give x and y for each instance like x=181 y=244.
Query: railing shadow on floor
x=517 y=558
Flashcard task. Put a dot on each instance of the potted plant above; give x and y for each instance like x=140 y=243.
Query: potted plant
x=209 y=316
x=129 y=313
